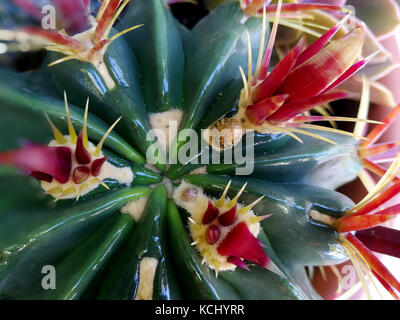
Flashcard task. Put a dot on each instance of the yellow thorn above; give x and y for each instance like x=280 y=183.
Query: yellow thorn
x=342 y=119
x=364 y=265
x=71 y=129
x=245 y=85
x=84 y=133
x=123 y=32
x=100 y=145
x=291 y=134
x=262 y=42
x=205 y=253
x=57 y=134
x=116 y=15
x=250 y=206
x=221 y=200
x=367 y=181
x=67 y=58
x=66 y=192
x=363 y=110
x=54 y=191
x=390 y=174
x=274 y=30
x=316 y=136
x=216 y=270
x=102 y=183
x=250 y=69
x=357 y=268
x=192 y=221
x=102 y=9
x=323 y=273
x=323 y=111
x=236 y=198
x=320 y=128
x=82 y=187
x=339 y=277
x=258 y=219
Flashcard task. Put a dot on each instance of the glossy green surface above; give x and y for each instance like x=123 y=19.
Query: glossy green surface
x=59 y=232
x=158 y=48
x=77 y=270
x=315 y=162
x=149 y=240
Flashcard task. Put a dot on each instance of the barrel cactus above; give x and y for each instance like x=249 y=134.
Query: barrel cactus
x=144 y=160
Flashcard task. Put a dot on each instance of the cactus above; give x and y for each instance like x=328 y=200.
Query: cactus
x=102 y=187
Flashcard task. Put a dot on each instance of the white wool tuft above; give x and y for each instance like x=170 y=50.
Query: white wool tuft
x=168 y=123
x=201 y=170
x=135 y=208
x=147 y=272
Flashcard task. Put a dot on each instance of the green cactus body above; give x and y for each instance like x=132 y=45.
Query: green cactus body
x=118 y=222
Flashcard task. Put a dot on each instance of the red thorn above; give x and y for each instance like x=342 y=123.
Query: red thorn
x=318 y=45
x=229 y=217
x=357 y=223
x=379 y=130
x=42 y=176
x=105 y=20
x=255 y=5
x=267 y=88
x=238 y=262
x=381 y=239
x=378 y=170
x=378 y=149
x=348 y=73
x=386 y=285
x=212 y=234
x=80 y=175
x=81 y=154
x=257 y=113
x=210 y=214
x=298 y=7
x=380 y=200
x=291 y=110
x=54 y=37
x=375 y=264
x=97 y=47
x=242 y=244
x=97 y=165
x=52 y=161
x=314 y=76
